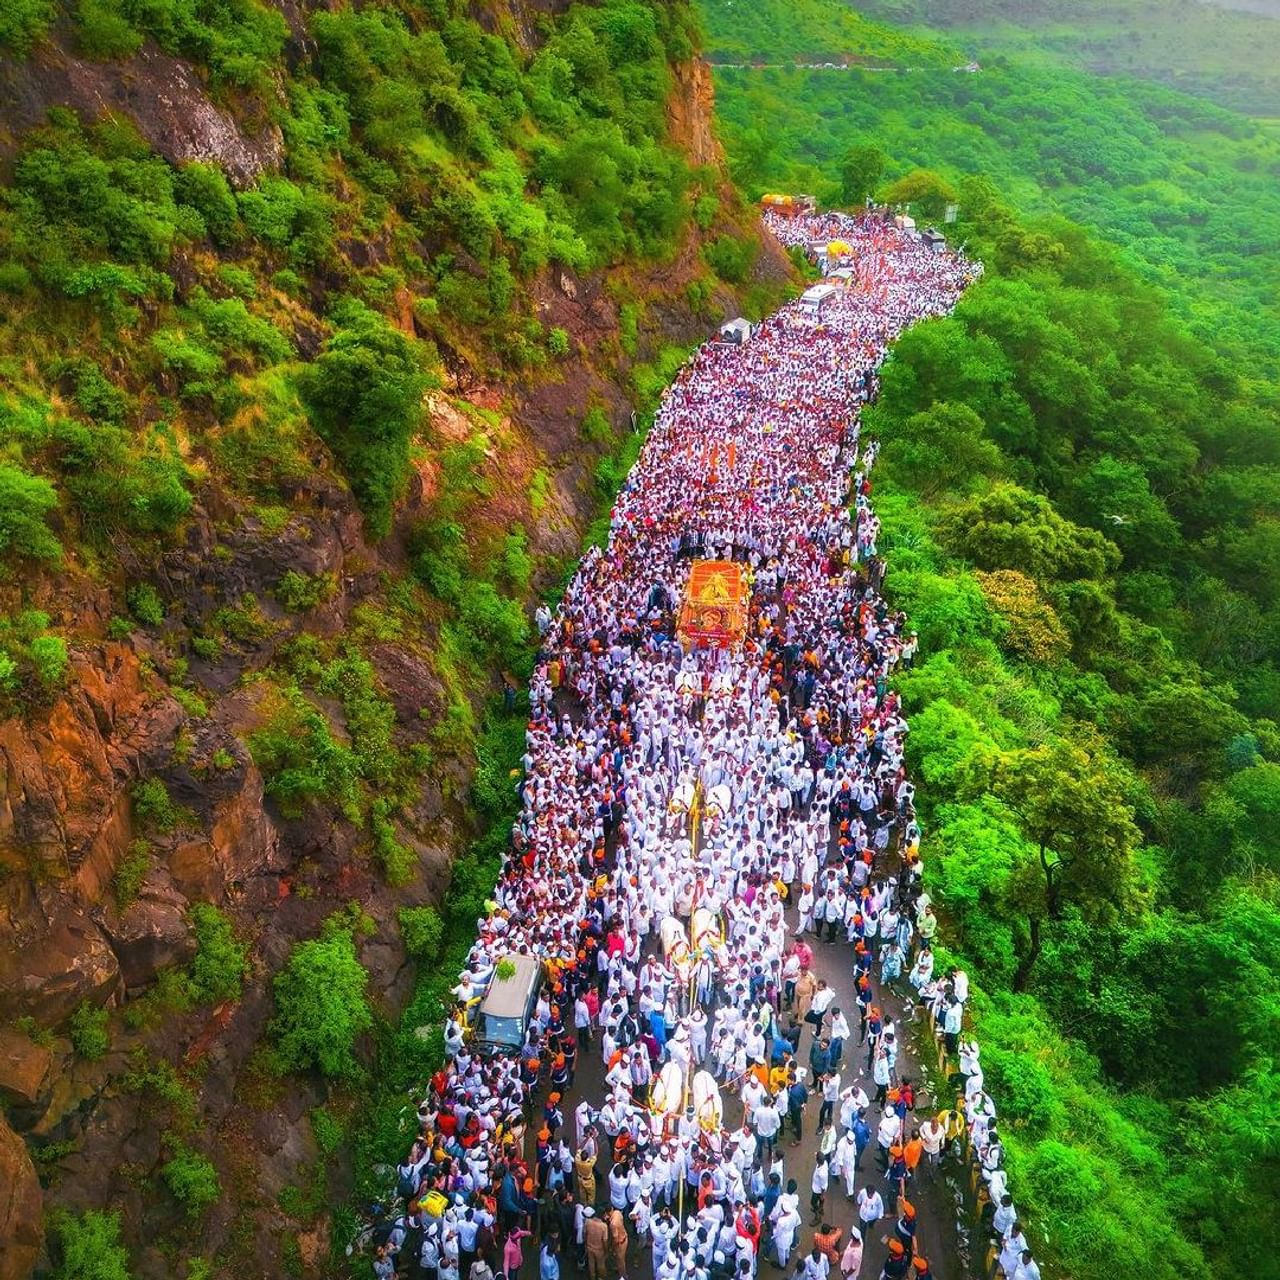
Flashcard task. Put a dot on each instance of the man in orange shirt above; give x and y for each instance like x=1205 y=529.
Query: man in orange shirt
x=828 y=1241
x=912 y=1153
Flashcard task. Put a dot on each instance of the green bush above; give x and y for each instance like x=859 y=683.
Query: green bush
x=221 y=960
x=205 y=188
x=25 y=503
x=329 y=1132
x=190 y=701
x=23 y=23
x=302 y=762
x=117 y=481
x=731 y=259
x=304 y=591
x=492 y=625
x=321 y=1006
x=706 y=209
x=49 y=659
x=15 y=279
x=498 y=751
x=145 y=604
x=129 y=875
x=439 y=557
x=397 y=859
x=370 y=717
x=33 y=663
x=88 y=1030
x=364 y=395
x=285 y=216
x=596 y=427
x=423 y=932
x=88 y=1246
x=104 y=31
x=192 y=1180
x=239 y=280
x=153 y=808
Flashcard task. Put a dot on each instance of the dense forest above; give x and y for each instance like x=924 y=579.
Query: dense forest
x=1186 y=188
x=1082 y=519
x=1221 y=51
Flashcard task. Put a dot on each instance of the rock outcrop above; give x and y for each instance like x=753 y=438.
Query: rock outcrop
x=691 y=114
x=21 y=1208
x=26 y=1069
x=161 y=95
x=152 y=933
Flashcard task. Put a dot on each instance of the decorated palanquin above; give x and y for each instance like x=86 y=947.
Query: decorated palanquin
x=714 y=612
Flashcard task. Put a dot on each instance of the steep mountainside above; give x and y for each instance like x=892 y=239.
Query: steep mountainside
x=321 y=333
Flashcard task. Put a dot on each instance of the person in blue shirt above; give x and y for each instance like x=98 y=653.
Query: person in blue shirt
x=771 y=1194
x=658 y=1026
x=780 y=1049
x=797 y=1096
x=820 y=1057
x=861 y=1136
x=549 y=1261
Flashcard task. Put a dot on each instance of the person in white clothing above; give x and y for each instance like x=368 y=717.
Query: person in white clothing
x=1011 y=1249
x=785 y=1226
x=817 y=1266
x=1026 y=1268
x=870 y=1209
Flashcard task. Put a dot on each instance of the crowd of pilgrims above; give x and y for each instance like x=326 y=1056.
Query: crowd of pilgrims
x=790 y=748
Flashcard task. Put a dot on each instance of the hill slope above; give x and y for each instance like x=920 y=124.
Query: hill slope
x=321 y=331
x=1226 y=52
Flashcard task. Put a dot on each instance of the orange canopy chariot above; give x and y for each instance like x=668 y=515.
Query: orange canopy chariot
x=714 y=612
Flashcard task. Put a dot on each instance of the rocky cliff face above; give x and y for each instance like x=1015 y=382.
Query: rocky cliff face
x=160 y=94
x=68 y=822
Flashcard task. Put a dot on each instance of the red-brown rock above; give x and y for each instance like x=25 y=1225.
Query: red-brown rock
x=21 y=1208
x=152 y=933
x=55 y=956
x=25 y=1068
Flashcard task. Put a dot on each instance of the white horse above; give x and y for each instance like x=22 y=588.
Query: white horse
x=667 y=1092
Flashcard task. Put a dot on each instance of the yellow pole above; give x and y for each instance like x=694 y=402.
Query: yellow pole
x=695 y=826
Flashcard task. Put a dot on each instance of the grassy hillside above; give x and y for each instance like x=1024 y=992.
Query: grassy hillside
x=1228 y=53
x=813 y=31
x=1186 y=188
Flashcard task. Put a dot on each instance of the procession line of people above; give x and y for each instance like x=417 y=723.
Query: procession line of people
x=693 y=822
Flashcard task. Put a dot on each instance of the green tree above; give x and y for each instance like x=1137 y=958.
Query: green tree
x=23 y=23
x=945 y=447
x=321 y=1005
x=25 y=503
x=364 y=395
x=1070 y=802
x=192 y=1179
x=1116 y=496
x=423 y=931
x=89 y=1247
x=221 y=961
x=88 y=1030
x=860 y=172
x=927 y=191
x=1009 y=528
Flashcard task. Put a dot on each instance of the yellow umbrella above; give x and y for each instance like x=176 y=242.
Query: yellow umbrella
x=838 y=248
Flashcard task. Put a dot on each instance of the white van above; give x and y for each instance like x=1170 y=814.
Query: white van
x=502 y=1020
